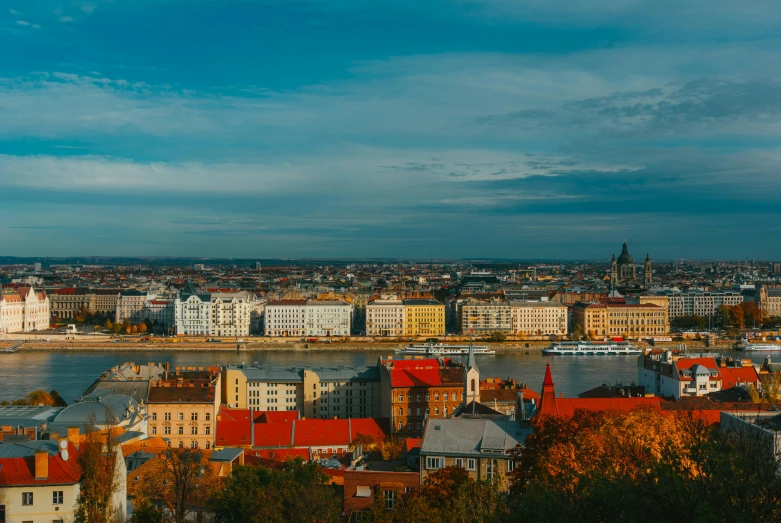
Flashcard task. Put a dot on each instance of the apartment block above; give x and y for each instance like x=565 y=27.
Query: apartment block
x=539 y=318
x=425 y=317
x=385 y=317
x=615 y=320
x=485 y=317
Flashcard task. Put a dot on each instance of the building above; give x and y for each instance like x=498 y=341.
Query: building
x=66 y=302
x=363 y=487
x=322 y=392
x=481 y=446
x=425 y=317
x=106 y=301
x=160 y=314
x=539 y=318
x=769 y=300
x=663 y=374
x=183 y=407
x=385 y=317
x=231 y=313
x=766 y=426
x=23 y=309
x=39 y=480
x=485 y=317
x=130 y=306
x=623 y=272
x=418 y=389
x=192 y=312
x=130 y=379
x=510 y=397
x=600 y=320
x=285 y=318
x=328 y=318
x=700 y=303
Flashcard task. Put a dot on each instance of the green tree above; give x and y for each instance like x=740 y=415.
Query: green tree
x=498 y=337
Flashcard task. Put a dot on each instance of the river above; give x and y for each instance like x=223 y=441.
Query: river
x=71 y=373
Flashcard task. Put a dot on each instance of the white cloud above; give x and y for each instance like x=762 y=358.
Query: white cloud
x=15 y=12
x=66 y=19
x=23 y=23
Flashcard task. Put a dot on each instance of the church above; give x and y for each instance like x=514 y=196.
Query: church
x=623 y=272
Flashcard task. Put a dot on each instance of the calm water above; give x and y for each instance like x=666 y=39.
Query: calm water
x=72 y=372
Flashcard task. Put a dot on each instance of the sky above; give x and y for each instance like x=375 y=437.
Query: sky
x=403 y=129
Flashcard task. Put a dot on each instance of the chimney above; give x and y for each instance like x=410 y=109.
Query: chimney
x=73 y=436
x=41 y=464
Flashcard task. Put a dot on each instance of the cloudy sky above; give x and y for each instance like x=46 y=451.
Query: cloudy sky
x=399 y=128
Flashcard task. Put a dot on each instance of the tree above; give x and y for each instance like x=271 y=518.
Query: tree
x=142 y=328
x=258 y=494
x=134 y=329
x=39 y=397
x=391 y=448
x=498 y=337
x=146 y=512
x=100 y=478
x=180 y=480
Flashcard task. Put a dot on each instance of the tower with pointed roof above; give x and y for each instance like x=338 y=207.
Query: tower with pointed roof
x=471 y=379
x=548 y=404
x=647 y=271
x=613 y=271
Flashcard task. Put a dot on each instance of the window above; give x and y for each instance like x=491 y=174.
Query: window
x=27 y=498
x=181 y=429
x=409 y=427
x=208 y=445
x=154 y=429
x=194 y=429
x=510 y=466
x=167 y=416
x=390 y=497
x=194 y=416
x=57 y=497
x=470 y=464
x=208 y=416
x=154 y=416
x=166 y=430
x=181 y=416
x=181 y=444
x=208 y=430
x=435 y=463
x=460 y=462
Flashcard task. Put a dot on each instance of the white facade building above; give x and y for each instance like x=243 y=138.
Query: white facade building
x=231 y=313
x=23 y=310
x=700 y=303
x=328 y=318
x=130 y=306
x=539 y=318
x=161 y=311
x=192 y=313
x=385 y=317
x=285 y=318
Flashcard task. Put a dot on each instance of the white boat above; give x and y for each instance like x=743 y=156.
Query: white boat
x=585 y=348
x=431 y=349
x=758 y=347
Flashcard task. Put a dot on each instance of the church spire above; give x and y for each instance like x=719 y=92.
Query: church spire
x=548 y=405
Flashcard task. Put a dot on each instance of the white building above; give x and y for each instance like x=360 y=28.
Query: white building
x=285 y=318
x=539 y=318
x=700 y=303
x=385 y=317
x=192 y=312
x=130 y=306
x=328 y=318
x=23 y=310
x=231 y=313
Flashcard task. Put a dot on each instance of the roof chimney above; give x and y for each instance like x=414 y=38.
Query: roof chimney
x=41 y=464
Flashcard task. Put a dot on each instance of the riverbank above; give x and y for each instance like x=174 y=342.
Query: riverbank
x=380 y=347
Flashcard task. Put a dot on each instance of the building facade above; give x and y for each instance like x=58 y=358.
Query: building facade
x=769 y=300
x=385 y=317
x=130 y=306
x=328 y=318
x=425 y=317
x=285 y=318
x=183 y=408
x=322 y=392
x=192 y=312
x=23 y=310
x=624 y=273
x=541 y=318
x=700 y=303
x=231 y=313
x=485 y=317
x=601 y=320
x=66 y=302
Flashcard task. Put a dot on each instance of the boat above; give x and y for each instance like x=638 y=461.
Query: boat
x=586 y=348
x=746 y=345
x=437 y=349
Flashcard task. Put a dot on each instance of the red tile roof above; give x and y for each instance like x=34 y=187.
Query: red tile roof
x=733 y=376
x=233 y=428
x=18 y=472
x=688 y=363
x=413 y=443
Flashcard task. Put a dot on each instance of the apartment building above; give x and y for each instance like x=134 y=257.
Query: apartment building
x=385 y=317
x=130 y=305
x=769 y=300
x=328 y=318
x=192 y=312
x=183 y=407
x=67 y=301
x=485 y=317
x=324 y=392
x=625 y=319
x=424 y=317
x=700 y=303
x=285 y=318
x=23 y=309
x=539 y=318
x=231 y=313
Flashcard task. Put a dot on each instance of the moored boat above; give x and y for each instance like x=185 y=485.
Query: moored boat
x=437 y=349
x=585 y=348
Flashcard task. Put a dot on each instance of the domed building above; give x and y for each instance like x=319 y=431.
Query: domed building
x=624 y=273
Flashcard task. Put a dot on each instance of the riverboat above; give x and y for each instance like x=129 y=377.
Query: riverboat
x=432 y=349
x=746 y=345
x=583 y=348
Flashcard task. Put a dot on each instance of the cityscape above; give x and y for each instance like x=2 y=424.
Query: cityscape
x=476 y=261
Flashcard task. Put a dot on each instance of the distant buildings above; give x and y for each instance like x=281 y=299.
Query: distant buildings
x=385 y=317
x=623 y=272
x=620 y=319
x=222 y=313
x=23 y=309
x=486 y=317
x=308 y=318
x=769 y=300
x=700 y=303
x=539 y=318
x=425 y=317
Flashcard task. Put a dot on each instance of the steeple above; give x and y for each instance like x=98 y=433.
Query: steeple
x=548 y=404
x=470 y=360
x=471 y=378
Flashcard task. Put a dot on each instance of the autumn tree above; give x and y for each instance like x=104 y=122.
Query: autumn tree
x=142 y=328
x=39 y=397
x=299 y=491
x=180 y=481
x=100 y=478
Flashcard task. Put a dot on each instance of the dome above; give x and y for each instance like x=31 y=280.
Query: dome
x=625 y=258
x=100 y=403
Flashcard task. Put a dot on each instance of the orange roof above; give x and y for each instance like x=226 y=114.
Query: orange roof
x=21 y=471
x=687 y=364
x=153 y=445
x=732 y=376
x=413 y=443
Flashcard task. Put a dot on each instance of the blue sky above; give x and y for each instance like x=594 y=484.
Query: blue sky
x=485 y=128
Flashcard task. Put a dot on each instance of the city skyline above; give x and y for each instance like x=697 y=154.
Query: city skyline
x=475 y=129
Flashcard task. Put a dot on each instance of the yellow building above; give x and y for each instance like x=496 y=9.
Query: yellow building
x=424 y=317
x=601 y=320
x=183 y=408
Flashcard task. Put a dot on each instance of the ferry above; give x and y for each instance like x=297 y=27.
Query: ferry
x=431 y=349
x=584 y=348
x=757 y=347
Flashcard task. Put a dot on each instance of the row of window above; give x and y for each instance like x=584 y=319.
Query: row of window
x=27 y=498
x=452 y=396
x=180 y=429
x=180 y=416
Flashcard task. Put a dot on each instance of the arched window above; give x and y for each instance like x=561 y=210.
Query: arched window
x=472 y=386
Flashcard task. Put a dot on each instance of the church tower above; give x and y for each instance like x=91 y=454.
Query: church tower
x=648 y=273
x=471 y=379
x=613 y=271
